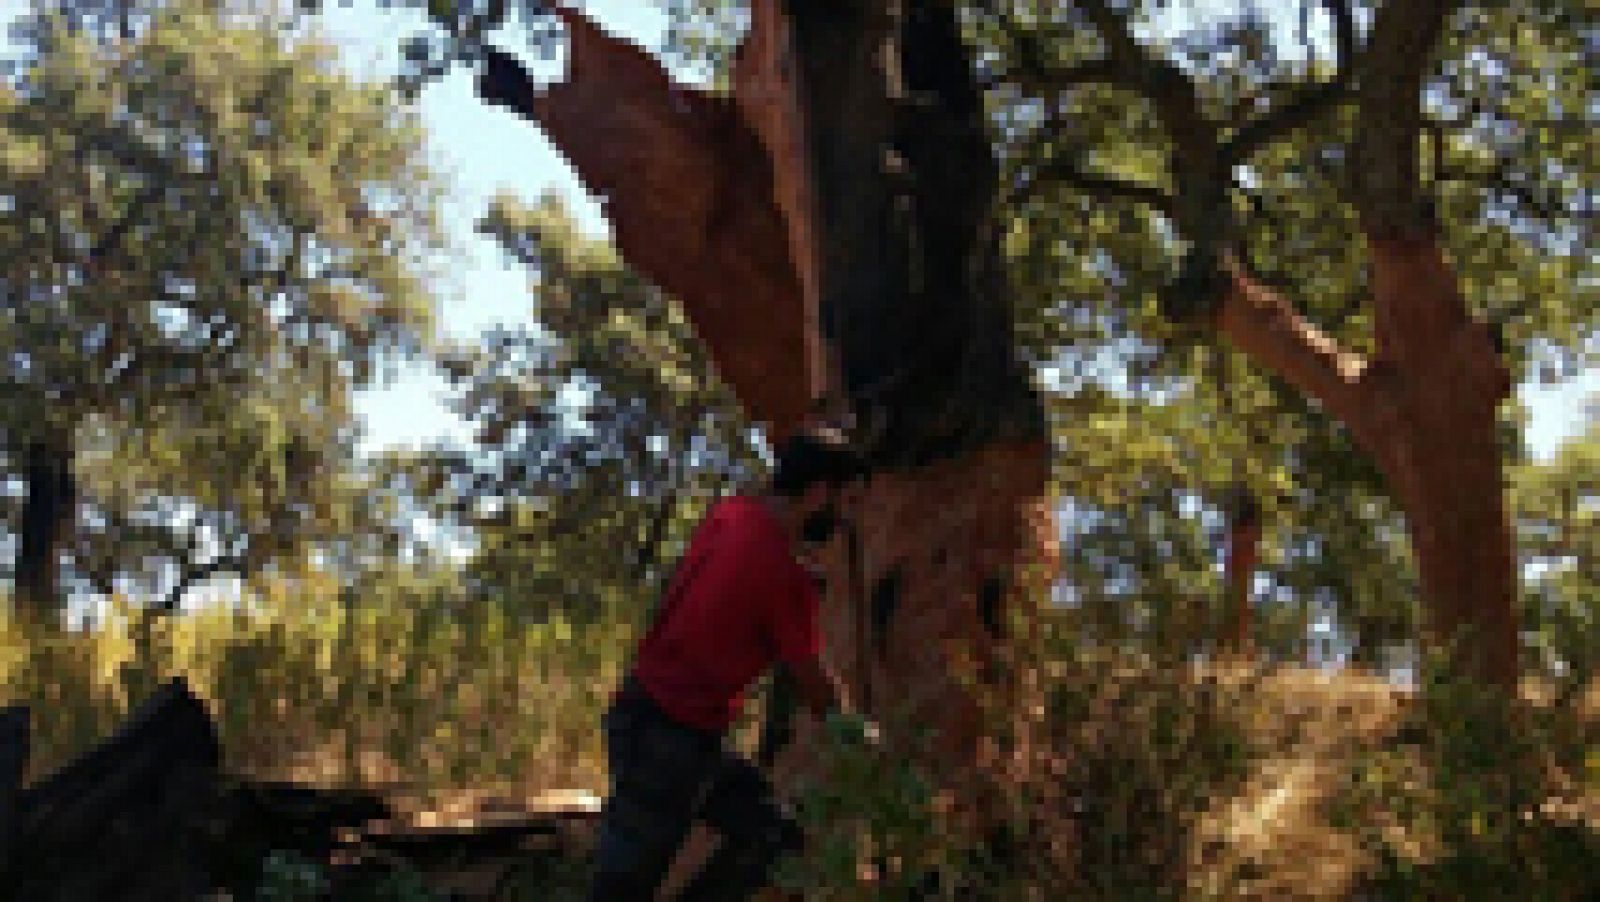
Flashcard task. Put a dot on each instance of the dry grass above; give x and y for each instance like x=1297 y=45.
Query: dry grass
x=1151 y=782
x=400 y=699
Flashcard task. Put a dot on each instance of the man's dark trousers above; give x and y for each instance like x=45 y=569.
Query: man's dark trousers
x=663 y=776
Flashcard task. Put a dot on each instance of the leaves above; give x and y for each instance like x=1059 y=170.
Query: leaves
x=600 y=434
x=216 y=246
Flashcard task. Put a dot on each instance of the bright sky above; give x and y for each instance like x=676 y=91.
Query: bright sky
x=483 y=149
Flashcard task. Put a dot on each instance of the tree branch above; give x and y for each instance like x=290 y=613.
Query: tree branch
x=1344 y=33
x=1034 y=74
x=1061 y=171
x=1264 y=325
x=1393 y=63
x=1042 y=78
x=111 y=240
x=1307 y=105
x=650 y=551
x=1117 y=34
x=195 y=573
x=1195 y=161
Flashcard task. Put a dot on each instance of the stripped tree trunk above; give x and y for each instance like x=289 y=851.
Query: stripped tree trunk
x=827 y=229
x=954 y=531
x=1244 y=550
x=1424 y=404
x=1425 y=408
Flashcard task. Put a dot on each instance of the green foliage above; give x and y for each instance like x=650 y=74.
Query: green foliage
x=199 y=344
x=601 y=435
x=291 y=877
x=213 y=236
x=1141 y=751
x=288 y=877
x=404 y=684
x=1556 y=508
x=1089 y=257
x=403 y=885
x=1487 y=792
x=549 y=877
x=873 y=817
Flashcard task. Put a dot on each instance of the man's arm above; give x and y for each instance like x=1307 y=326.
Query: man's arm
x=818 y=689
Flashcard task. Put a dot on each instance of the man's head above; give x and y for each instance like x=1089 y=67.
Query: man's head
x=811 y=468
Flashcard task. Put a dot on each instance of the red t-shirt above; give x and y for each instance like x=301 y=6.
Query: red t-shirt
x=738 y=602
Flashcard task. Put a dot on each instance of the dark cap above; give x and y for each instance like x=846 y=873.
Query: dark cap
x=810 y=456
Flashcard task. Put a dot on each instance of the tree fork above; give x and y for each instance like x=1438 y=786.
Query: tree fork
x=1424 y=406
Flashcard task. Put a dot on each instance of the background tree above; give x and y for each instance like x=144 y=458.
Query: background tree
x=601 y=432
x=1225 y=141
x=213 y=236
x=1557 y=507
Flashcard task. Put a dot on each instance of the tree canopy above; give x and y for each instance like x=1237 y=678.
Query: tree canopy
x=212 y=235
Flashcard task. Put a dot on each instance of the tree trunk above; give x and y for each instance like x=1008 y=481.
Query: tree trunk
x=955 y=535
x=47 y=517
x=1425 y=407
x=1436 y=379
x=1244 y=548
x=1440 y=450
x=828 y=230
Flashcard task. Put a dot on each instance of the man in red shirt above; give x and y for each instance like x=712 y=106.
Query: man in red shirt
x=740 y=601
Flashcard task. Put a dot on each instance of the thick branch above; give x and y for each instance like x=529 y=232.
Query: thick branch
x=1344 y=33
x=1265 y=326
x=1196 y=161
x=1031 y=69
x=1393 y=65
x=1305 y=108
x=111 y=241
x=1159 y=79
x=1116 y=32
x=1308 y=104
x=1042 y=78
x=689 y=189
x=1062 y=171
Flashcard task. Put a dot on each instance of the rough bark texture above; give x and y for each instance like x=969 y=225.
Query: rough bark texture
x=955 y=536
x=913 y=295
x=953 y=558
x=47 y=516
x=1424 y=405
x=1437 y=408
x=689 y=189
x=1425 y=408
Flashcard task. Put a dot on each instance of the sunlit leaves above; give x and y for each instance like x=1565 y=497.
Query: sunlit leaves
x=599 y=434
x=220 y=235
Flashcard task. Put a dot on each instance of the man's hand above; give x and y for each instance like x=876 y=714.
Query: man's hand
x=821 y=693
x=503 y=81
x=853 y=730
x=817 y=688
